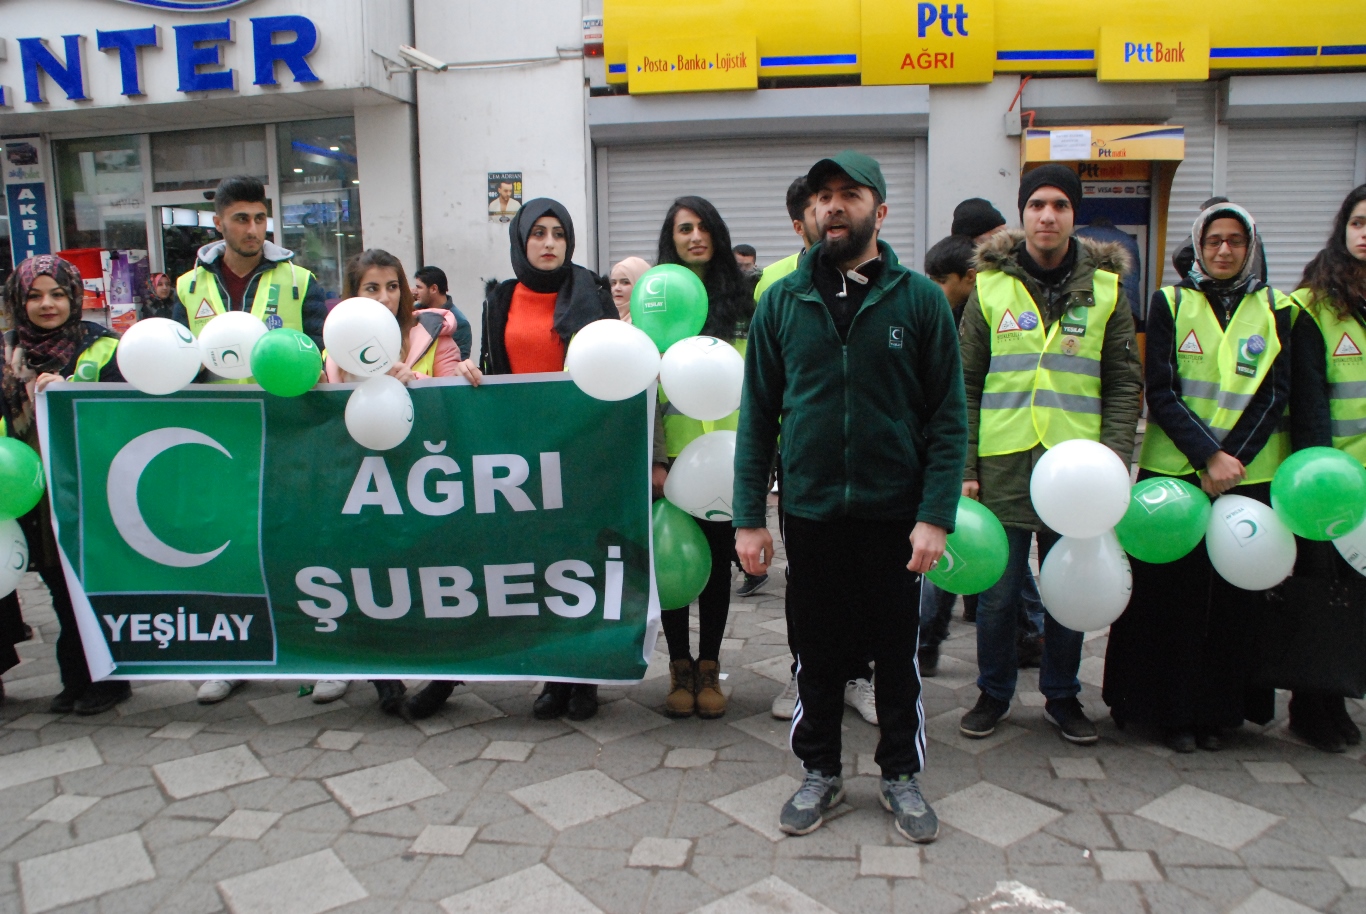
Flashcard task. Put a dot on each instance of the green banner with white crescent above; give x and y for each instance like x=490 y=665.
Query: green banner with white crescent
x=221 y=532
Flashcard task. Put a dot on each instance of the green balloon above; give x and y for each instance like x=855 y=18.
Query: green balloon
x=669 y=303
x=1320 y=493
x=286 y=363
x=975 y=552
x=21 y=478
x=1166 y=519
x=682 y=555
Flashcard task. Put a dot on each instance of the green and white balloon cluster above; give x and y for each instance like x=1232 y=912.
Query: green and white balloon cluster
x=159 y=356
x=702 y=378
x=21 y=488
x=364 y=339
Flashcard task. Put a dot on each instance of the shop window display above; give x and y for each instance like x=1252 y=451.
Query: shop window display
x=100 y=193
x=199 y=159
x=320 y=196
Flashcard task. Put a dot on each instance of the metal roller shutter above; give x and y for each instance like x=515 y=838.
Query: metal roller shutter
x=746 y=180
x=1292 y=179
x=1194 y=180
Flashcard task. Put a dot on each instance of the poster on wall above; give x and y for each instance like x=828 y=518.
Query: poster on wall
x=25 y=178
x=505 y=195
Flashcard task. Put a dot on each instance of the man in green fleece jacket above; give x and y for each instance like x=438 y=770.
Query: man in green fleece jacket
x=1048 y=356
x=857 y=356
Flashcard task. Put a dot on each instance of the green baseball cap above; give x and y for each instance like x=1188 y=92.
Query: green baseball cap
x=863 y=169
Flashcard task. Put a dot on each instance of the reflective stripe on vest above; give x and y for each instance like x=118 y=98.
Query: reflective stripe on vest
x=679 y=429
x=1345 y=353
x=91 y=362
x=1220 y=371
x=1041 y=387
x=280 y=295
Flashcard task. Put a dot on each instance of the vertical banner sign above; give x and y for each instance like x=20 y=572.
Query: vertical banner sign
x=219 y=533
x=26 y=197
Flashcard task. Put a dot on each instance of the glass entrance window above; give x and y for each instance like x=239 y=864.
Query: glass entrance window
x=100 y=193
x=199 y=159
x=320 y=196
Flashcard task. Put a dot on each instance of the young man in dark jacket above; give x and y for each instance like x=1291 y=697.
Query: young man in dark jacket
x=856 y=355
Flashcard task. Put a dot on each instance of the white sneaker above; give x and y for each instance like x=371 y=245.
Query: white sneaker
x=212 y=691
x=785 y=705
x=858 y=694
x=325 y=690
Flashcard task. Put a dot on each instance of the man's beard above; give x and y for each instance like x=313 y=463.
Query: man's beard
x=852 y=244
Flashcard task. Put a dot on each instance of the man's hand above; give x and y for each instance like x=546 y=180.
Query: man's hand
x=972 y=490
x=470 y=372
x=658 y=473
x=1222 y=473
x=927 y=545
x=754 y=545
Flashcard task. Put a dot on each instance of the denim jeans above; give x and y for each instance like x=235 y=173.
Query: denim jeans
x=936 y=609
x=997 y=629
x=1031 y=607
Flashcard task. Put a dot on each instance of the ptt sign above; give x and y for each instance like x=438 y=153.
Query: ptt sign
x=928 y=42
x=199 y=56
x=1136 y=53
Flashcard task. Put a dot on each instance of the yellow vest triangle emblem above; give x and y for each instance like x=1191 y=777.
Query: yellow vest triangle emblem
x=1191 y=344
x=1007 y=323
x=1346 y=347
x=205 y=310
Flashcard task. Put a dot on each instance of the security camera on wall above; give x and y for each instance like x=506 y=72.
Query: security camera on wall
x=421 y=60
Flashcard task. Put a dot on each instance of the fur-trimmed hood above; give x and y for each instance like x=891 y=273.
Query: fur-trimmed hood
x=998 y=253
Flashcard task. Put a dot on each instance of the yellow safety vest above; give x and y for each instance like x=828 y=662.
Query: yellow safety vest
x=1345 y=352
x=1220 y=370
x=91 y=362
x=279 y=297
x=1041 y=387
x=679 y=429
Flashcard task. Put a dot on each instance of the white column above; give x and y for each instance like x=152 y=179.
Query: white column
x=970 y=154
x=388 y=180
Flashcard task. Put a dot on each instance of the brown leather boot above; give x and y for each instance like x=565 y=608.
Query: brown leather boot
x=710 y=700
x=682 y=689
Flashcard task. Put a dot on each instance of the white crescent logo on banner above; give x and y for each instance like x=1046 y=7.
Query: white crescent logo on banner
x=125 y=472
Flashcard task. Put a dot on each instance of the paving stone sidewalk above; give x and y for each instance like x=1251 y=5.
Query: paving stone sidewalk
x=270 y=804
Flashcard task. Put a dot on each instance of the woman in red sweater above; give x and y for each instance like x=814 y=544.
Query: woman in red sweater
x=528 y=322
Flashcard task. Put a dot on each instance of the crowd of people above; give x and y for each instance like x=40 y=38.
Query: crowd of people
x=875 y=396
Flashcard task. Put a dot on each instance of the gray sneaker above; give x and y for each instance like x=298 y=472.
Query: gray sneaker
x=915 y=820
x=804 y=813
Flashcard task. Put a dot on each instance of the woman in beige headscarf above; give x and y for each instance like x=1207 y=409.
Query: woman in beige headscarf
x=625 y=275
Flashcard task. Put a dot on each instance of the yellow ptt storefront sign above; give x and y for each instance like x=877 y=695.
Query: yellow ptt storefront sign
x=940 y=43
x=1109 y=143
x=1138 y=53
x=693 y=65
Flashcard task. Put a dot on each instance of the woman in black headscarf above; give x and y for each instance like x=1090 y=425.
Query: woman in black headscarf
x=50 y=342
x=528 y=322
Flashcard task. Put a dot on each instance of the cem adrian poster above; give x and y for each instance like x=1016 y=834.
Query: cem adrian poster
x=223 y=533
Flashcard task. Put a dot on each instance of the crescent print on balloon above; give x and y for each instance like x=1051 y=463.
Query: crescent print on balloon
x=125 y=472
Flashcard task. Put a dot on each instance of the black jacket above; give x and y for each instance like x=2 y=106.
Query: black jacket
x=498 y=302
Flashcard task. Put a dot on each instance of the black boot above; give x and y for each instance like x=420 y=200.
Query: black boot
x=64 y=702
x=427 y=702
x=390 y=695
x=102 y=696
x=553 y=701
x=1336 y=706
x=1309 y=721
x=1179 y=739
x=583 y=701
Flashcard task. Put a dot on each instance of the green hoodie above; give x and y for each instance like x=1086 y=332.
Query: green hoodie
x=873 y=428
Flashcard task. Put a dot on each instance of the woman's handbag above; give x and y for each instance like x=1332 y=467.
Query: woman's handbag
x=1311 y=636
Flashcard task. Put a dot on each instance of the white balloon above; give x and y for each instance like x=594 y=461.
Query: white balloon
x=13 y=555
x=1352 y=547
x=379 y=413
x=702 y=377
x=1080 y=488
x=612 y=360
x=362 y=337
x=225 y=343
x=1248 y=544
x=158 y=356
x=701 y=479
x=1085 y=584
